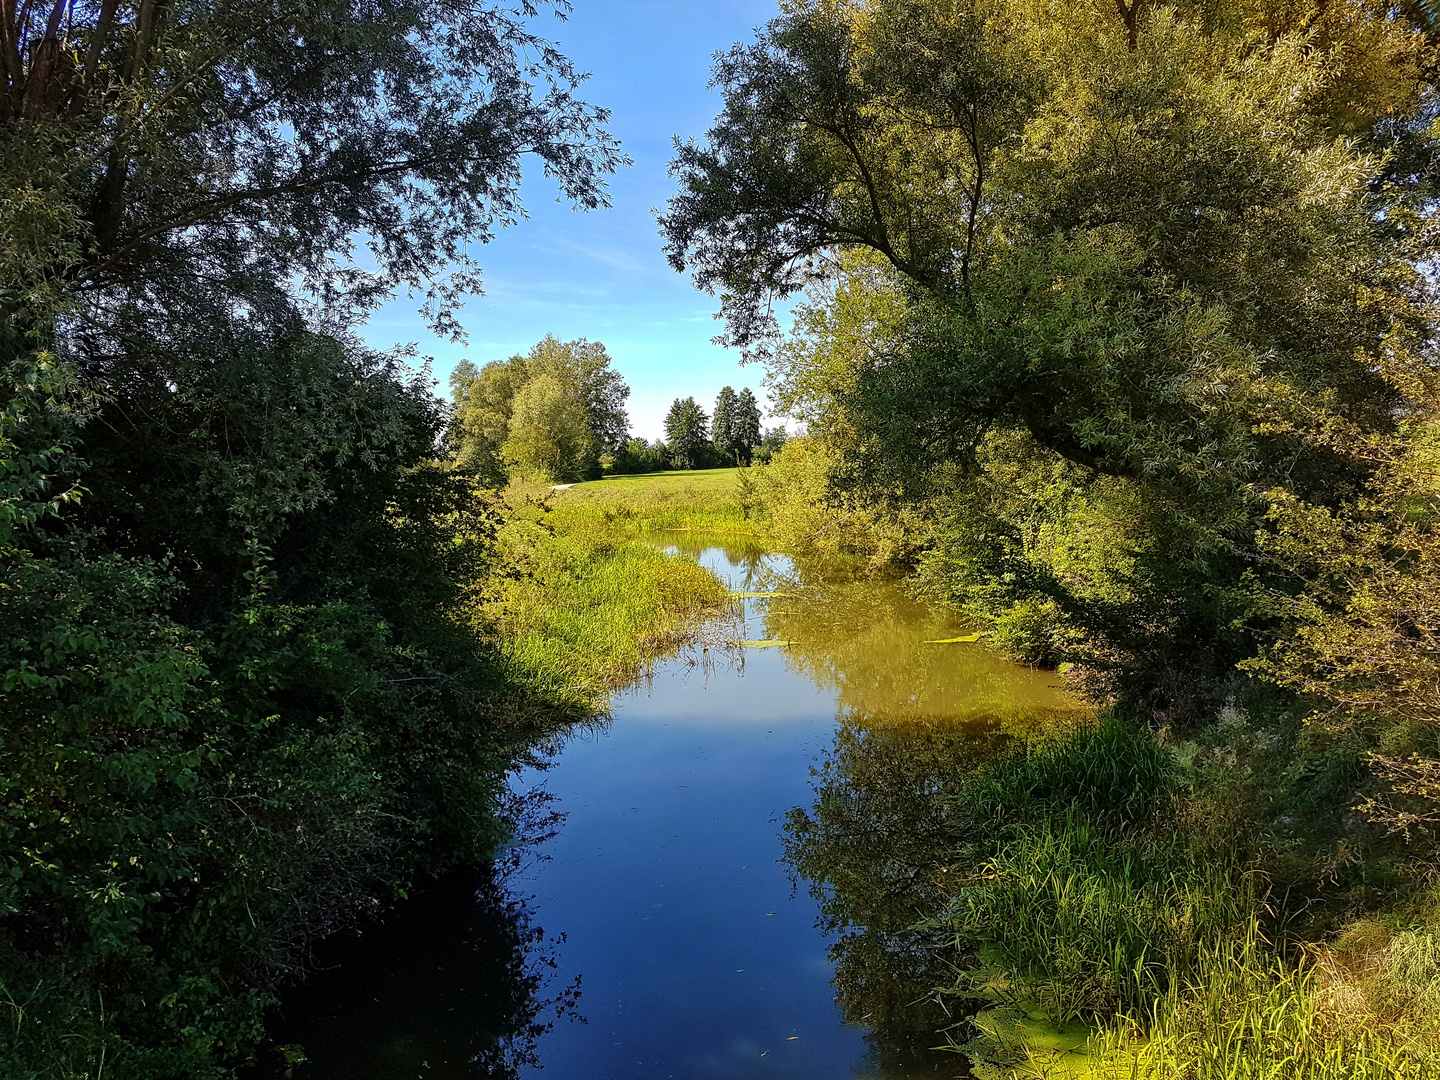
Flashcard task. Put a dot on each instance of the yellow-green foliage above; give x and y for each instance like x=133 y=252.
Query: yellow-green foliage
x=586 y=612
x=806 y=515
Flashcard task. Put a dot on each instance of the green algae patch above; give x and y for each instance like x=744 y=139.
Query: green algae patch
x=768 y=643
x=1015 y=1043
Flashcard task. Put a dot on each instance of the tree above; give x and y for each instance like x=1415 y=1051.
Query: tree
x=234 y=148
x=549 y=432
x=1132 y=266
x=640 y=456
x=723 y=423
x=484 y=403
x=230 y=567
x=686 y=432
x=583 y=367
x=480 y=417
x=745 y=432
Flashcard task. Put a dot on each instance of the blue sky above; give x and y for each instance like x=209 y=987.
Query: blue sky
x=601 y=275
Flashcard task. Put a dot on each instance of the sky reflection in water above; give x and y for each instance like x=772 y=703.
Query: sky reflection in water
x=742 y=852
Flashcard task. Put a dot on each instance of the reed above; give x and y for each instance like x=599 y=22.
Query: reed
x=1089 y=891
x=1083 y=927
x=1247 y=1014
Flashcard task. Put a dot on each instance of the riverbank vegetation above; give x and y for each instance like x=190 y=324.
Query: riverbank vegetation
x=1116 y=332
x=245 y=697
x=586 y=607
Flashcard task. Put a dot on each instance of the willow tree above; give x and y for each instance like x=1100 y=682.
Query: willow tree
x=485 y=404
x=208 y=146
x=1088 y=281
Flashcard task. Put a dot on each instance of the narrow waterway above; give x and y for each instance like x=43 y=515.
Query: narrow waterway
x=720 y=882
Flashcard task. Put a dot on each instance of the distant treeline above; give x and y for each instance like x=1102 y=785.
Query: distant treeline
x=558 y=414
x=731 y=435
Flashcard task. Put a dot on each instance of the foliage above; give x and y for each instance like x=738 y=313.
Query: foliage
x=771 y=441
x=722 y=423
x=550 y=413
x=806 y=517
x=240 y=709
x=237 y=719
x=1147 y=270
x=639 y=456
x=735 y=427
x=745 y=426
x=687 y=433
x=36 y=446
x=1360 y=639
x=549 y=435
x=229 y=148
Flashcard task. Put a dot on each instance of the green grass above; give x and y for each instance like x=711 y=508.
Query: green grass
x=584 y=613
x=1098 y=882
x=709 y=501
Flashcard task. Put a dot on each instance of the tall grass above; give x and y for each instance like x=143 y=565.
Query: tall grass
x=1250 y=1015
x=1086 y=926
x=1090 y=890
x=582 y=613
x=1116 y=773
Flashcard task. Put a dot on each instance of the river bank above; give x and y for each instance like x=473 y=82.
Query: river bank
x=990 y=873
x=676 y=877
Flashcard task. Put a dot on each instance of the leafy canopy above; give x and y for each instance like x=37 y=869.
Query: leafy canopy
x=1086 y=285
x=489 y=435
x=230 y=148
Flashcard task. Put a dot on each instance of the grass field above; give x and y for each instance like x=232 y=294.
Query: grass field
x=711 y=501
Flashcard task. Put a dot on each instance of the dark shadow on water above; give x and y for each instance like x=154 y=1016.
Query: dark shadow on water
x=462 y=987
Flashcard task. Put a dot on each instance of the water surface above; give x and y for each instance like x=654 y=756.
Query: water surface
x=726 y=872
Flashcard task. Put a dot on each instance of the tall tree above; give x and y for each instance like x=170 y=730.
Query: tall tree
x=745 y=428
x=484 y=403
x=480 y=417
x=1137 y=252
x=722 y=423
x=178 y=151
x=549 y=435
x=583 y=367
x=687 y=430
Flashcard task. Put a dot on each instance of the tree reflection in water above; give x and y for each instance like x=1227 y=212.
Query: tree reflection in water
x=461 y=987
x=915 y=717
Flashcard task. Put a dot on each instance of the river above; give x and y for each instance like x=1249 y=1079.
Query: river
x=718 y=883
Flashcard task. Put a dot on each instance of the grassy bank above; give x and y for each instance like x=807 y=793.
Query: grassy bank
x=586 y=605
x=1195 y=907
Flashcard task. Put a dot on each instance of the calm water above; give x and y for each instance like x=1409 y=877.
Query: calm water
x=720 y=882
